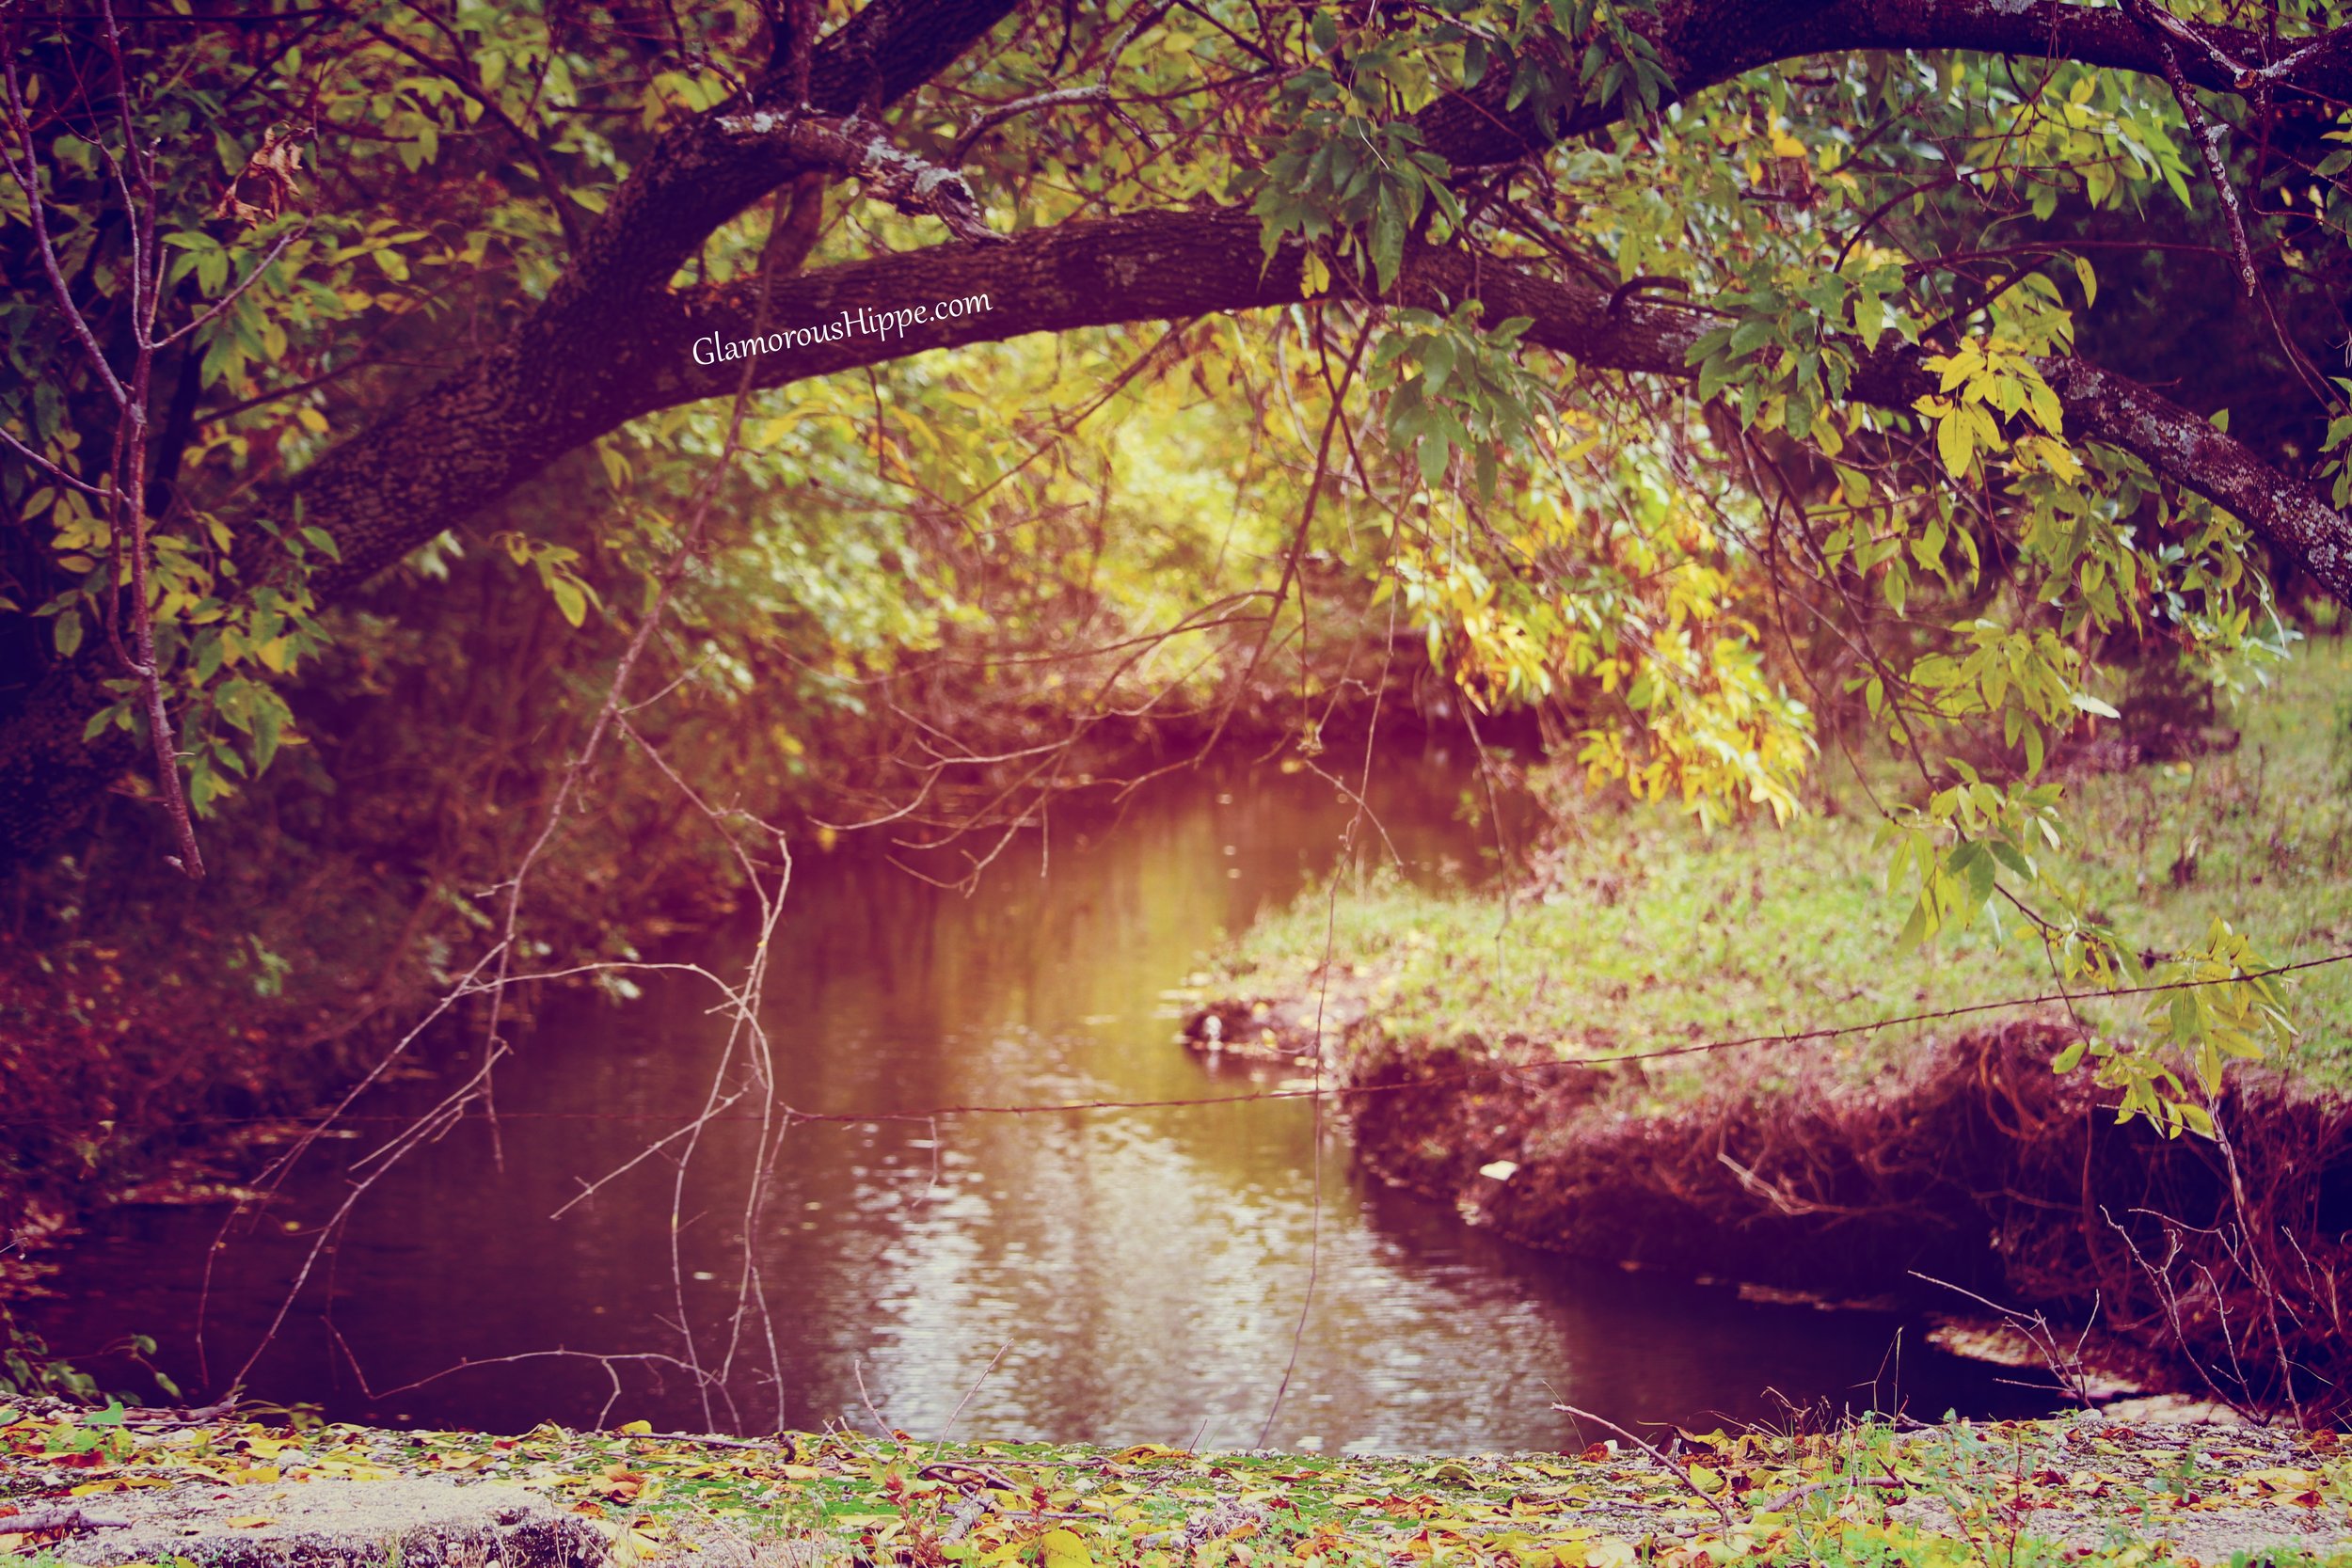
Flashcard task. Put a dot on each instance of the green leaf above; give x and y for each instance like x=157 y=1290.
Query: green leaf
x=1869 y=317
x=570 y=599
x=1388 y=243
x=67 y=632
x=269 y=718
x=1431 y=452
x=1972 y=861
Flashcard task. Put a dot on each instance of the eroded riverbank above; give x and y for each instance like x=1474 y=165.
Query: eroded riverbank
x=1970 y=1177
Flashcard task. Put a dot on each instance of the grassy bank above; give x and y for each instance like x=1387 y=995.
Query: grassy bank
x=1943 y=1148
x=2090 y=1491
x=1642 y=932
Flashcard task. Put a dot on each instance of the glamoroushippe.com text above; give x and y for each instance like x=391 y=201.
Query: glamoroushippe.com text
x=857 y=322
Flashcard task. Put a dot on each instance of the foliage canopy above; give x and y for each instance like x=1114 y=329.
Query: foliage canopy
x=1721 y=380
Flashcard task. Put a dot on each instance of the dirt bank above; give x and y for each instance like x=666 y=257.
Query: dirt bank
x=2221 y=1268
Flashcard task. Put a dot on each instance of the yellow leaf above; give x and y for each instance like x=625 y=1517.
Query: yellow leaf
x=1953 y=445
x=637 y=1429
x=251 y=1521
x=2285 y=1481
x=1064 y=1550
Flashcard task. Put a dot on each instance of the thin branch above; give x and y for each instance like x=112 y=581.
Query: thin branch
x=231 y=296
x=2162 y=28
x=51 y=468
x=29 y=180
x=983 y=124
x=1680 y=1474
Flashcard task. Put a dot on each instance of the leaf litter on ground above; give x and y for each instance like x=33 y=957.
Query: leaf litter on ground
x=2087 y=1490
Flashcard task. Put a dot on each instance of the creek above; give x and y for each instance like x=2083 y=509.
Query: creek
x=1131 y=1276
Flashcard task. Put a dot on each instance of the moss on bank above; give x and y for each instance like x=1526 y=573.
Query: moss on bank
x=2090 y=1491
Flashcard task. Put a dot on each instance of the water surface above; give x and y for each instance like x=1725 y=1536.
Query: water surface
x=1130 y=1274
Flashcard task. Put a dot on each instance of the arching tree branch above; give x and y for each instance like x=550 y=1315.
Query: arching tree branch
x=612 y=341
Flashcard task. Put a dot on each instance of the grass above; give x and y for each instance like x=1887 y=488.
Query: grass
x=2022 y=1494
x=1648 y=932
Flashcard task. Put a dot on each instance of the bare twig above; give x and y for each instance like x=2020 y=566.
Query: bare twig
x=2066 y=1367
x=950 y=1421
x=2162 y=28
x=1798 y=1493
x=983 y=124
x=225 y=301
x=1684 y=1476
